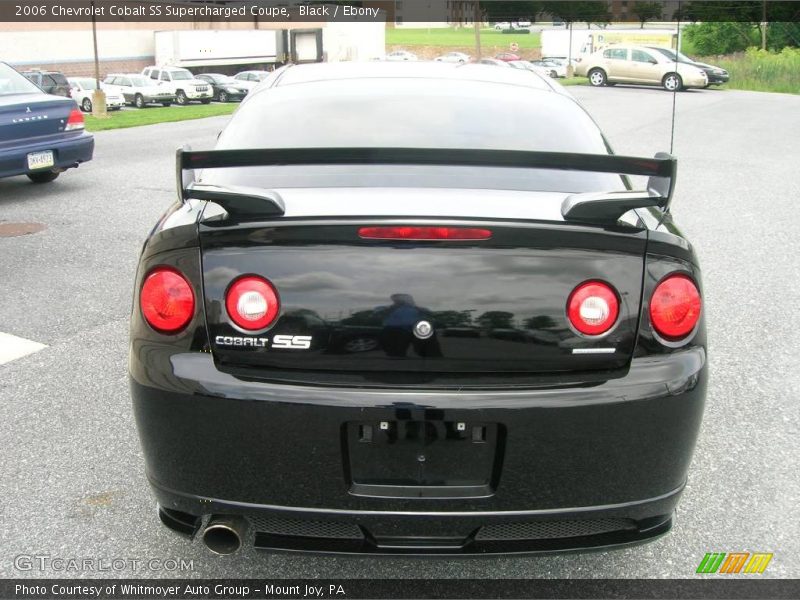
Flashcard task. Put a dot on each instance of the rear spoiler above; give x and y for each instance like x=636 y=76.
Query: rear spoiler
x=592 y=207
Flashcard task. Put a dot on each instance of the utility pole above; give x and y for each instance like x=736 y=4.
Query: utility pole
x=477 y=18
x=98 y=96
x=764 y=25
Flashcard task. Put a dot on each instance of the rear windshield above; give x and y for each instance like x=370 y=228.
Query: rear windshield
x=419 y=114
x=11 y=82
x=59 y=78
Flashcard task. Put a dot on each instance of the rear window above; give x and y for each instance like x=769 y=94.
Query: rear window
x=422 y=114
x=59 y=78
x=12 y=82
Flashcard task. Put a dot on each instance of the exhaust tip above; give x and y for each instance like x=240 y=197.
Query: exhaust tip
x=224 y=534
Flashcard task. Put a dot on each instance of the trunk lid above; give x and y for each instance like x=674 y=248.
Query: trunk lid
x=25 y=116
x=497 y=306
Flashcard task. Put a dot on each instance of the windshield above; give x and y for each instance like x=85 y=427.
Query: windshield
x=181 y=75
x=450 y=114
x=11 y=82
x=86 y=84
x=671 y=55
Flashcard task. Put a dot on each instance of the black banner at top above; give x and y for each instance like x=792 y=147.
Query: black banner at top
x=392 y=11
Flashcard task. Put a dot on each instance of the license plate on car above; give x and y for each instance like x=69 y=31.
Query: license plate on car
x=41 y=160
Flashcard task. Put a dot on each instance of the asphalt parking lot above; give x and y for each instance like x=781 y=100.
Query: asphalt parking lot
x=73 y=484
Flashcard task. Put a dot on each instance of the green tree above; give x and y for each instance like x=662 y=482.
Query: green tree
x=647 y=11
x=721 y=38
x=579 y=12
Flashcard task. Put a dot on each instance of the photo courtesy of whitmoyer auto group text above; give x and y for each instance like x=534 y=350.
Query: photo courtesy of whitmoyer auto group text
x=399 y=299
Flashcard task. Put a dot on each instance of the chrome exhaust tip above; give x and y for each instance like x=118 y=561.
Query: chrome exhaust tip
x=224 y=534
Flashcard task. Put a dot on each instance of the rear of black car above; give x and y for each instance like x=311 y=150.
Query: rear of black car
x=415 y=359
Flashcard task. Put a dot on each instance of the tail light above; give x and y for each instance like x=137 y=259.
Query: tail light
x=252 y=302
x=675 y=307
x=424 y=233
x=75 y=120
x=167 y=300
x=593 y=307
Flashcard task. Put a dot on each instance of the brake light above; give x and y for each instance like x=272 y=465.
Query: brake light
x=75 y=120
x=593 y=307
x=675 y=307
x=424 y=233
x=252 y=302
x=167 y=300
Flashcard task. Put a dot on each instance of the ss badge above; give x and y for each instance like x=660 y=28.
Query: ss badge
x=292 y=342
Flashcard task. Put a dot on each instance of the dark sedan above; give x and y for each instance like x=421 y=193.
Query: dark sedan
x=40 y=135
x=295 y=380
x=716 y=75
x=226 y=88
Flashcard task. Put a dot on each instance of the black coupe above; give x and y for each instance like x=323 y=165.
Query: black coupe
x=417 y=308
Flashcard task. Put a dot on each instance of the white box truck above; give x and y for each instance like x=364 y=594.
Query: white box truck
x=556 y=42
x=219 y=47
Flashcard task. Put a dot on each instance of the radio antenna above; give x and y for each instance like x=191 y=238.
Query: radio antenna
x=675 y=91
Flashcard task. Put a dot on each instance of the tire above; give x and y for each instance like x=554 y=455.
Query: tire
x=166 y=104
x=180 y=98
x=86 y=105
x=205 y=101
x=597 y=77
x=672 y=82
x=553 y=75
x=223 y=96
x=43 y=177
x=138 y=101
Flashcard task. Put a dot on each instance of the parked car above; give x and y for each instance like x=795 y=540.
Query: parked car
x=454 y=57
x=41 y=135
x=51 y=82
x=640 y=65
x=250 y=79
x=138 y=90
x=400 y=55
x=502 y=25
x=494 y=62
x=81 y=90
x=715 y=75
x=554 y=68
x=507 y=56
x=530 y=66
x=462 y=192
x=224 y=87
x=181 y=83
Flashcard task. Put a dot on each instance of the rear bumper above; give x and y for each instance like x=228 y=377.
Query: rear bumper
x=69 y=150
x=579 y=468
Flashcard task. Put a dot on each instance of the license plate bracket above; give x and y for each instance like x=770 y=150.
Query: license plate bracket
x=423 y=458
x=41 y=160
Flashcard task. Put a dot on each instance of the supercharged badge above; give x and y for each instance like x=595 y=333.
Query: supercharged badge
x=290 y=342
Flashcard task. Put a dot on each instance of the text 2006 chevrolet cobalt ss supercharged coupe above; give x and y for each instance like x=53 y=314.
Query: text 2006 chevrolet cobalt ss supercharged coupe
x=417 y=309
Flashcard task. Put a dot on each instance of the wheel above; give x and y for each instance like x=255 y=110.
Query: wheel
x=597 y=77
x=180 y=98
x=166 y=104
x=553 y=74
x=138 y=102
x=223 y=96
x=672 y=82
x=43 y=177
x=205 y=101
x=86 y=105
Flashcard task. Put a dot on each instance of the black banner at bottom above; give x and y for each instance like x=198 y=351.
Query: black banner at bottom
x=326 y=589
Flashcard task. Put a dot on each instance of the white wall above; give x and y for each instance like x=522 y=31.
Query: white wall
x=35 y=47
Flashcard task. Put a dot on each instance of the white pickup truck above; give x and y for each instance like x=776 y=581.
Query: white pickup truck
x=182 y=83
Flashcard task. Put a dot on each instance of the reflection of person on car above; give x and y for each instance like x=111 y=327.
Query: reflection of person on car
x=398 y=329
